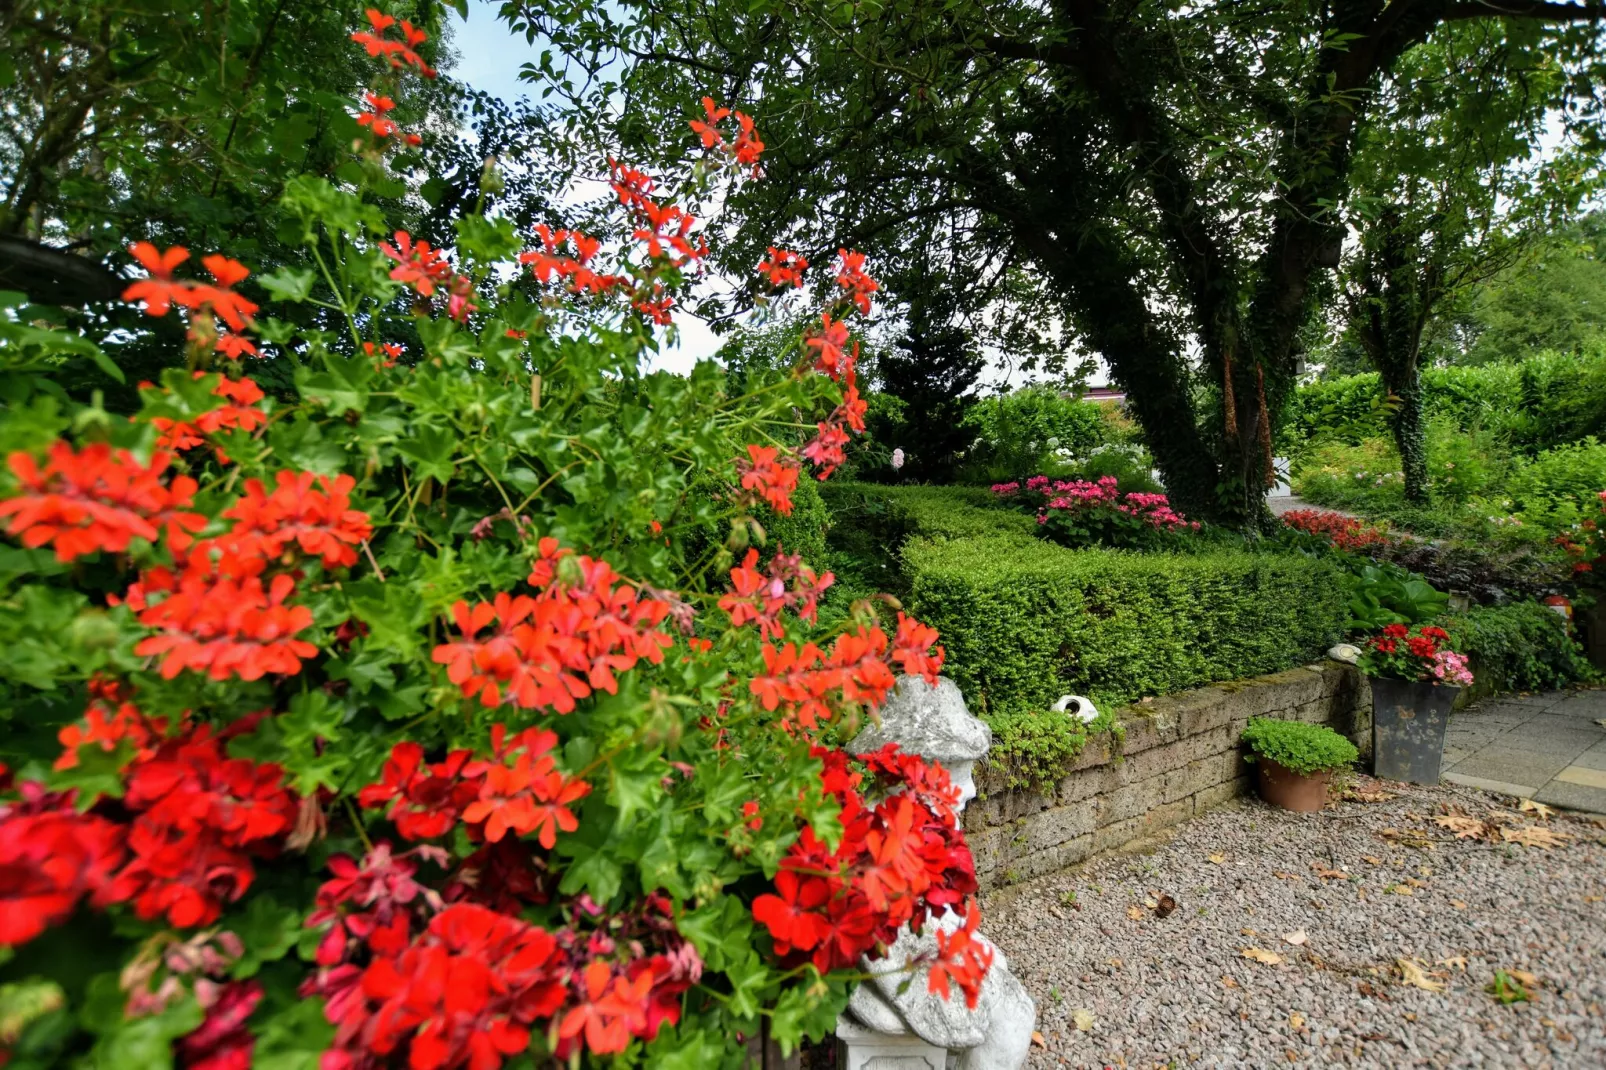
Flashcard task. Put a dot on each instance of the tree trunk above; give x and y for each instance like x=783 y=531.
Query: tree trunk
x=1410 y=436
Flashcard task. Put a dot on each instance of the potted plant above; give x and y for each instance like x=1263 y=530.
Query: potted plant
x=1295 y=761
x=1415 y=679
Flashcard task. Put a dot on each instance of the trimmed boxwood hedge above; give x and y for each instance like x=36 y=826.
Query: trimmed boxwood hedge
x=1025 y=621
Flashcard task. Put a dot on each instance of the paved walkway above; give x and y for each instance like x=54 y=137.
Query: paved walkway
x=1550 y=747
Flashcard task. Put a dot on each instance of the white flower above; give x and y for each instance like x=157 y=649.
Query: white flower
x=897 y=459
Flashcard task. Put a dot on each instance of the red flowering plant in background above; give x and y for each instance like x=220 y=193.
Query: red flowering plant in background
x=1585 y=544
x=1078 y=512
x=408 y=719
x=1341 y=532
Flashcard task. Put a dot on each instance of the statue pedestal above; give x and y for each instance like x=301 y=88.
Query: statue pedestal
x=861 y=1048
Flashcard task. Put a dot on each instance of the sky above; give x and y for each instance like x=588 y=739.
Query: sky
x=489 y=60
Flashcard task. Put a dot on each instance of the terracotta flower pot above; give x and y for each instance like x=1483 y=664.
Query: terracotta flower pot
x=1283 y=787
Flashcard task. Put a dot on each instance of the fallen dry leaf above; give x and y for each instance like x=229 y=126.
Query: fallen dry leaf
x=1457 y=962
x=1280 y=875
x=1538 y=809
x=1116 y=963
x=1371 y=861
x=1594 y=898
x=1037 y=1038
x=1535 y=836
x=1365 y=988
x=1261 y=955
x=1527 y=979
x=1355 y=795
x=1297 y=937
x=1217 y=859
x=1407 y=838
x=1412 y=973
x=1398 y=889
x=1458 y=904
x=1296 y=1020
x=1228 y=982
x=1329 y=874
x=1083 y=1020
x=1247 y=932
x=1164 y=907
x=1464 y=827
x=1135 y=913
x=1413 y=882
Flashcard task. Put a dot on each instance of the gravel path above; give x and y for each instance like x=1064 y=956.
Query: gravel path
x=1179 y=991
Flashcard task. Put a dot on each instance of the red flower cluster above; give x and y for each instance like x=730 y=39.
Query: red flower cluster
x=240 y=413
x=786 y=583
x=222 y=1041
x=320 y=522
x=180 y=843
x=547 y=651
x=745 y=148
x=465 y=984
x=388 y=351
x=550 y=261
x=518 y=790
x=214 y=612
x=401 y=53
x=109 y=719
x=375 y=118
x=1343 y=532
x=418 y=264
x=856 y=285
x=97 y=498
x=899 y=863
x=807 y=683
x=770 y=479
x=161 y=291
x=826 y=449
x=783 y=268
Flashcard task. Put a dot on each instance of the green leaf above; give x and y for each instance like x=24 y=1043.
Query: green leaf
x=431 y=451
x=288 y=284
x=268 y=932
x=146 y=1042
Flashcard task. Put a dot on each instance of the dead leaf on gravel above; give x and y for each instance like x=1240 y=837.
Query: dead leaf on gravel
x=1083 y=1019
x=1535 y=836
x=1228 y=982
x=1465 y=827
x=1455 y=962
x=1296 y=1020
x=1371 y=861
x=1538 y=809
x=1412 y=973
x=1398 y=889
x=1218 y=859
x=1261 y=955
x=1164 y=907
x=1357 y=795
x=1594 y=898
x=1329 y=874
x=1247 y=932
x=1037 y=1038
x=1297 y=937
x=1458 y=904
x=1280 y=875
x=1365 y=988
x=1407 y=838
x=1135 y=913
x=1525 y=978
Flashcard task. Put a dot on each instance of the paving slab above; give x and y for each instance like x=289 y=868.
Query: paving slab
x=1573 y=796
x=1511 y=767
x=1521 y=791
x=1550 y=747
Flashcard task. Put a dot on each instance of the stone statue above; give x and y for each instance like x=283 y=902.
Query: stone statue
x=892 y=1022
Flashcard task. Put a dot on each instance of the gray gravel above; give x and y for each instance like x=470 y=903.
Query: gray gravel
x=1178 y=991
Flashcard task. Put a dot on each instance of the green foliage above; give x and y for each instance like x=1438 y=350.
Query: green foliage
x=1383 y=594
x=1519 y=647
x=1036 y=429
x=1560 y=487
x=1026 y=621
x=1298 y=747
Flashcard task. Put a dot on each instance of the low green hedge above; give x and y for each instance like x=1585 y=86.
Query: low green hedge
x=1025 y=622
x=1520 y=647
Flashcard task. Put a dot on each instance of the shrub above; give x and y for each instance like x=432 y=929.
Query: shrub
x=1030 y=429
x=1026 y=622
x=383 y=721
x=1559 y=487
x=1298 y=747
x=1520 y=647
x=1079 y=513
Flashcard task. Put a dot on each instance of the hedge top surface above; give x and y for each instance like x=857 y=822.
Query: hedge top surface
x=1298 y=747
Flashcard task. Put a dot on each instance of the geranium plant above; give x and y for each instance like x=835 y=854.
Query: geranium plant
x=1585 y=544
x=1078 y=512
x=1422 y=653
x=391 y=723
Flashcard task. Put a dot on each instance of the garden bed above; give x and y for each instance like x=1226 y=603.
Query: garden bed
x=1180 y=755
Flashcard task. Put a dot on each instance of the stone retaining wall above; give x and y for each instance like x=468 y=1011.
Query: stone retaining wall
x=1181 y=756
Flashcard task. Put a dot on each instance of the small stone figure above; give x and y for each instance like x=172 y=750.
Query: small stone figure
x=892 y=1021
